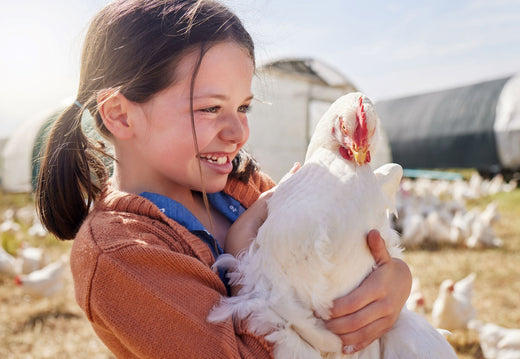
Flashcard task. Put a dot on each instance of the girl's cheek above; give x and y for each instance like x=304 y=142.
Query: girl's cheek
x=246 y=130
x=246 y=136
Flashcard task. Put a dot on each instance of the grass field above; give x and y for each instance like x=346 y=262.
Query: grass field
x=56 y=328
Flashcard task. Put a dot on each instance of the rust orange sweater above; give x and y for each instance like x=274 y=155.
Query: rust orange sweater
x=145 y=282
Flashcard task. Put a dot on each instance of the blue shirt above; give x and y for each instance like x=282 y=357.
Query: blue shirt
x=224 y=203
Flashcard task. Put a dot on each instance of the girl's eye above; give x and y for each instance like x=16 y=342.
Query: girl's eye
x=213 y=109
x=244 y=108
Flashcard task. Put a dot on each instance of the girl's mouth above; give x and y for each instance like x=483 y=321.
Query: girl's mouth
x=219 y=160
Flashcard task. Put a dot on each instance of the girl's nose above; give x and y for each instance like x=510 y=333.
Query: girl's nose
x=236 y=128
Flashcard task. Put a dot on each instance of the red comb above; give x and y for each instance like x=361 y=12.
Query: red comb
x=361 y=132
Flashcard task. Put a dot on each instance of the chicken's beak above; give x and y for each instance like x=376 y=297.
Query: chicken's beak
x=361 y=156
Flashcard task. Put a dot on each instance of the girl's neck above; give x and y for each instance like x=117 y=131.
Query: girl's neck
x=192 y=200
x=218 y=226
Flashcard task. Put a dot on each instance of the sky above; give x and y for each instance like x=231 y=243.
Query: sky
x=387 y=49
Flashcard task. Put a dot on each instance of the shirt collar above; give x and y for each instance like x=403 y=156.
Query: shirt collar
x=175 y=211
x=224 y=203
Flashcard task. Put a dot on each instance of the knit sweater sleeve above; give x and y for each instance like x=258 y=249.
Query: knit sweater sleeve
x=148 y=299
x=247 y=193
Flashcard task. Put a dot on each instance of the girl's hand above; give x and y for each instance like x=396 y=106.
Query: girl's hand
x=245 y=228
x=369 y=311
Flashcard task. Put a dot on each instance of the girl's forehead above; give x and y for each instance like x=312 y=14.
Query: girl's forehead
x=217 y=57
x=223 y=66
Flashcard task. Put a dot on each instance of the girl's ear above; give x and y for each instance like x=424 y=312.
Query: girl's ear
x=114 y=109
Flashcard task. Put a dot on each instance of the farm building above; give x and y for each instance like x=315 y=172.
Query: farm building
x=19 y=157
x=292 y=95
x=20 y=152
x=475 y=126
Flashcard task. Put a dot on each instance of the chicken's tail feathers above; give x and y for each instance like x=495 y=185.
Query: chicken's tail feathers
x=389 y=177
x=465 y=285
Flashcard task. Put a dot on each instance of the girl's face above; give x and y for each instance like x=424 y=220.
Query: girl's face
x=165 y=153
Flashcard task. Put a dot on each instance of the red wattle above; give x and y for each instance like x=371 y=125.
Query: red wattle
x=345 y=153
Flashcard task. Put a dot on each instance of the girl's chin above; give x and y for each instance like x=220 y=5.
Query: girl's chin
x=215 y=184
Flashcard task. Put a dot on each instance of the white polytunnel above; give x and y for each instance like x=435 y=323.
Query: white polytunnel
x=474 y=126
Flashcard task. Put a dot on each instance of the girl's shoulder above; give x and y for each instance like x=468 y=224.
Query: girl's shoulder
x=248 y=192
x=124 y=220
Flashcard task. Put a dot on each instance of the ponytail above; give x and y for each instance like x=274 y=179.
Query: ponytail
x=71 y=176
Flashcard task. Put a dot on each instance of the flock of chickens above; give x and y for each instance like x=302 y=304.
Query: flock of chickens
x=453 y=310
x=30 y=267
x=434 y=211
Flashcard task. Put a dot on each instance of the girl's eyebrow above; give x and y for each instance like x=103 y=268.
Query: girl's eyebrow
x=219 y=97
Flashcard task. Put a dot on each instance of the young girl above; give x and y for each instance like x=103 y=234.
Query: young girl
x=168 y=83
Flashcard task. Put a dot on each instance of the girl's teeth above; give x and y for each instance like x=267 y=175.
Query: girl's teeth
x=218 y=160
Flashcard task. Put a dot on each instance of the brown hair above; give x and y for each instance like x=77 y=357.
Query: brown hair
x=131 y=47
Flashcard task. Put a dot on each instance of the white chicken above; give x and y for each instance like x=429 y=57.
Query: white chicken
x=416 y=300
x=44 y=282
x=453 y=308
x=32 y=258
x=482 y=232
x=414 y=230
x=9 y=265
x=497 y=342
x=312 y=247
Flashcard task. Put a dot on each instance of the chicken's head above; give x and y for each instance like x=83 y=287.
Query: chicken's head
x=349 y=127
x=447 y=286
x=354 y=131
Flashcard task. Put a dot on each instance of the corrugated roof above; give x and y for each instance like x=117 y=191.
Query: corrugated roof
x=312 y=69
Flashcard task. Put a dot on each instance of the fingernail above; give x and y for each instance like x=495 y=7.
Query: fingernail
x=349 y=349
x=295 y=166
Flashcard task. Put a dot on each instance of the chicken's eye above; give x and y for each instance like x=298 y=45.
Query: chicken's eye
x=342 y=126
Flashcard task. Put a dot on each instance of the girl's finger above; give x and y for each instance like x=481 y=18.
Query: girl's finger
x=295 y=167
x=362 y=338
x=378 y=248
x=355 y=321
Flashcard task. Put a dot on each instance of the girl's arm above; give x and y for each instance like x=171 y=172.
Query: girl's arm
x=369 y=311
x=145 y=300
x=245 y=228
